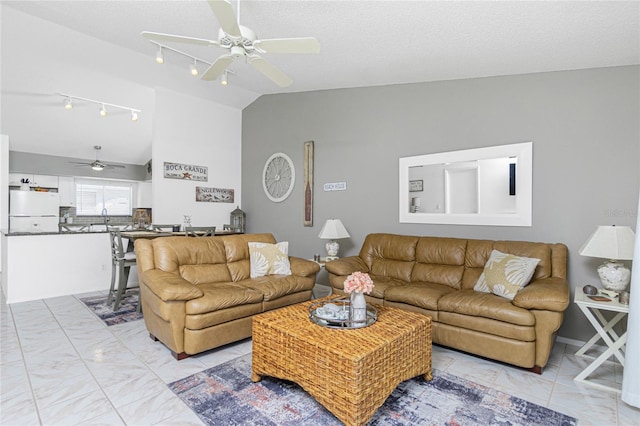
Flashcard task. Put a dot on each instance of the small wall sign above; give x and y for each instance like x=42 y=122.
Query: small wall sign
x=186 y=172
x=416 y=185
x=336 y=186
x=214 y=195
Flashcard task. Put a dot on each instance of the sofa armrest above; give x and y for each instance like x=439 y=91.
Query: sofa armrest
x=170 y=287
x=346 y=266
x=303 y=267
x=549 y=294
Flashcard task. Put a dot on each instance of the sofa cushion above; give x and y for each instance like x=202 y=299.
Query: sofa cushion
x=170 y=253
x=440 y=260
x=422 y=295
x=540 y=251
x=505 y=274
x=486 y=305
x=219 y=296
x=389 y=255
x=267 y=259
x=275 y=286
x=381 y=284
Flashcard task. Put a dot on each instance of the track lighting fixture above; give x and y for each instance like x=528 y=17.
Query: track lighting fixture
x=68 y=104
x=193 y=67
x=160 y=56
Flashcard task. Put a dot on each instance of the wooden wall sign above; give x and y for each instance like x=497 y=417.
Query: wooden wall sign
x=308 y=183
x=186 y=172
x=214 y=195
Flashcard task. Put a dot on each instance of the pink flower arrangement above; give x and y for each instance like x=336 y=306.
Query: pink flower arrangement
x=358 y=281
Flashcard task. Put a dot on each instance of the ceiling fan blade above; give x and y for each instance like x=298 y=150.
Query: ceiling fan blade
x=113 y=166
x=217 y=67
x=79 y=163
x=270 y=71
x=226 y=17
x=288 y=45
x=178 y=39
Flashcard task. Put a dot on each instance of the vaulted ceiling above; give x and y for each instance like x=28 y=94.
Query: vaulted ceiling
x=363 y=43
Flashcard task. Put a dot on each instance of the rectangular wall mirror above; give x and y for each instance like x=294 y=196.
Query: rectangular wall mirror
x=482 y=186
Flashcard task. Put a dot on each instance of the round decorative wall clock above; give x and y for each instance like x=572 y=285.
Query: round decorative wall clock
x=278 y=177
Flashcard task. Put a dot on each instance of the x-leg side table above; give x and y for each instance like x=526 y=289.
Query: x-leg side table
x=592 y=309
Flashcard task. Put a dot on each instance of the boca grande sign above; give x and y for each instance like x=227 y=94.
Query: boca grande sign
x=186 y=172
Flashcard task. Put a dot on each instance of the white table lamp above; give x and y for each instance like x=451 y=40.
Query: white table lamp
x=332 y=230
x=614 y=243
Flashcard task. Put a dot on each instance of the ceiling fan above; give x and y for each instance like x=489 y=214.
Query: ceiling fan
x=241 y=42
x=98 y=165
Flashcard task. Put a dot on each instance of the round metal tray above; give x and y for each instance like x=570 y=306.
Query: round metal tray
x=337 y=316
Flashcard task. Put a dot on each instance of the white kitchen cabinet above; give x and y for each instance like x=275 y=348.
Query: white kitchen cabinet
x=43 y=181
x=143 y=198
x=15 y=179
x=67 y=191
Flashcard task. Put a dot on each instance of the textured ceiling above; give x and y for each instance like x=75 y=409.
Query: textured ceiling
x=365 y=43
x=380 y=42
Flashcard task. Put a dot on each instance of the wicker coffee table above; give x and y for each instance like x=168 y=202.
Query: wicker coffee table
x=351 y=372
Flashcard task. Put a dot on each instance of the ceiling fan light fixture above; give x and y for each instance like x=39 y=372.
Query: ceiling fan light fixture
x=160 y=56
x=97 y=167
x=68 y=103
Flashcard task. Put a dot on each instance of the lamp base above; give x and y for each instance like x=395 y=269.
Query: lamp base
x=614 y=275
x=332 y=248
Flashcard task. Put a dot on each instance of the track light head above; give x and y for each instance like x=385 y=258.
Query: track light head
x=134 y=115
x=160 y=56
x=68 y=103
x=225 y=79
x=194 y=69
x=103 y=111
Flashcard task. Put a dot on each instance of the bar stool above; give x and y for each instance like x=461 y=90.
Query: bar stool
x=121 y=263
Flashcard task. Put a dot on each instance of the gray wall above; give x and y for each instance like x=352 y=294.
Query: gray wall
x=584 y=126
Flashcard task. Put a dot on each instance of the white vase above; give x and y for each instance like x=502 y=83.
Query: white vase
x=357 y=309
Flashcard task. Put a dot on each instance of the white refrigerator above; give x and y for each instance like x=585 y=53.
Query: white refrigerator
x=33 y=211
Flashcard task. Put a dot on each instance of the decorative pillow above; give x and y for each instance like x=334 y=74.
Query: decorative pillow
x=267 y=259
x=506 y=274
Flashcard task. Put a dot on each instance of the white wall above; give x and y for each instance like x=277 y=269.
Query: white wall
x=4 y=189
x=195 y=131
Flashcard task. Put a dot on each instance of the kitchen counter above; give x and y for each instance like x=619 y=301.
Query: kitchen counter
x=39 y=266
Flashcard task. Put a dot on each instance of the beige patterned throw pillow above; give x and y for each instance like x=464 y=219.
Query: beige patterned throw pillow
x=267 y=259
x=506 y=274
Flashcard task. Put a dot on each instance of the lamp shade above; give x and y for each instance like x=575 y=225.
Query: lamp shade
x=610 y=242
x=333 y=229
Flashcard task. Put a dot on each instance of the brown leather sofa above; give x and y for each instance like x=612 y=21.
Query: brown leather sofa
x=197 y=294
x=435 y=276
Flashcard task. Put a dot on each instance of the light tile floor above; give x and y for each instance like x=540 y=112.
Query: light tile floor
x=60 y=365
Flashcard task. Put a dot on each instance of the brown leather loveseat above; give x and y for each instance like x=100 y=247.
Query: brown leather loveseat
x=436 y=276
x=197 y=293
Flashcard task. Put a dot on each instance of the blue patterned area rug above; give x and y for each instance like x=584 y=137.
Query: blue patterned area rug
x=126 y=311
x=225 y=395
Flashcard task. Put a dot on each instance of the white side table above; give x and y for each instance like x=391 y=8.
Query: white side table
x=593 y=309
x=321 y=263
